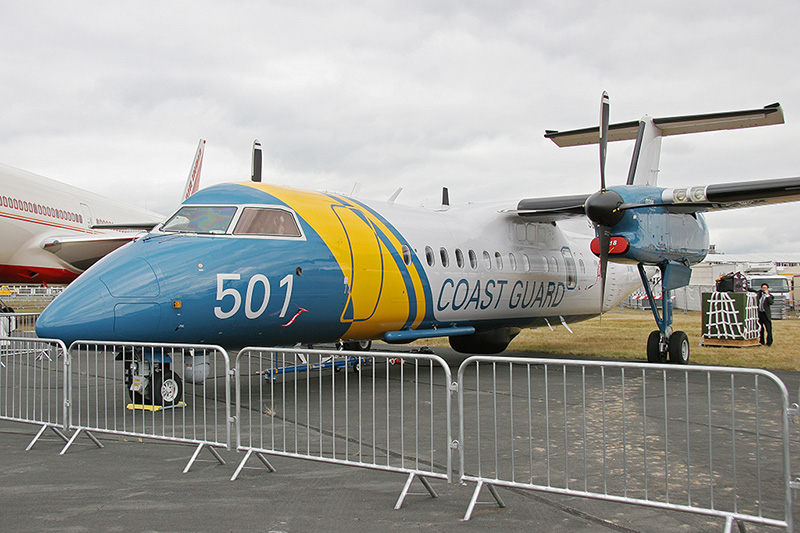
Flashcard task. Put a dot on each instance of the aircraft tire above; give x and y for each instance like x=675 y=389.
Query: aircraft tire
x=357 y=346
x=654 y=353
x=679 y=348
x=166 y=388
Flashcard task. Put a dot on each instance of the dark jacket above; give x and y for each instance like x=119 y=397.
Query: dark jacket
x=767 y=302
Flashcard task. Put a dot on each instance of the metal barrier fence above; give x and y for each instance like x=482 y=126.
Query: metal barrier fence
x=18 y=324
x=368 y=409
x=33 y=383
x=173 y=392
x=707 y=440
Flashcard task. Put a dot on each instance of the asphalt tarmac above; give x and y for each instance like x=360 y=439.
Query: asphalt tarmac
x=131 y=485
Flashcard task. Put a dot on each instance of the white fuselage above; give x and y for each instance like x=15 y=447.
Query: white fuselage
x=498 y=266
x=34 y=208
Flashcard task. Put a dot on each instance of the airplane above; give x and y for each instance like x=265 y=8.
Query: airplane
x=50 y=232
x=257 y=264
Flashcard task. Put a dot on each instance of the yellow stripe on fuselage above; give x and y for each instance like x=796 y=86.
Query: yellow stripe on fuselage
x=378 y=299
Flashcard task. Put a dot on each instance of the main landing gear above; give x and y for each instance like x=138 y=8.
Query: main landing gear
x=664 y=345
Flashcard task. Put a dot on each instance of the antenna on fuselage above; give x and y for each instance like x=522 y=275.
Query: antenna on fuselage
x=445 y=197
x=255 y=167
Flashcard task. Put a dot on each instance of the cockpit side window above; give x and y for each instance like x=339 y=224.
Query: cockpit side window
x=266 y=221
x=200 y=219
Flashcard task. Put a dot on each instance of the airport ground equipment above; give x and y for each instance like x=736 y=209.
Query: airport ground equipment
x=730 y=319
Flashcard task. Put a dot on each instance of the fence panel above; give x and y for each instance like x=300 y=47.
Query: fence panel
x=33 y=383
x=173 y=392
x=707 y=440
x=376 y=410
x=18 y=324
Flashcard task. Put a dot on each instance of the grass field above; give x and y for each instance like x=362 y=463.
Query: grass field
x=623 y=334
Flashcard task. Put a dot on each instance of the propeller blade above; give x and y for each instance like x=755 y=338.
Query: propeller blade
x=604 y=234
x=604 y=112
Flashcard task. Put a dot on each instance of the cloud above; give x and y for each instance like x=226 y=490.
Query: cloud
x=113 y=97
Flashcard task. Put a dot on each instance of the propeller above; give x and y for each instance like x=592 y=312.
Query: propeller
x=602 y=207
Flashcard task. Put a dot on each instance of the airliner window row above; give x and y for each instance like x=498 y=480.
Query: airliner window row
x=38 y=209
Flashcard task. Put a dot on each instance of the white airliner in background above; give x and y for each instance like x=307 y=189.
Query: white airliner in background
x=50 y=232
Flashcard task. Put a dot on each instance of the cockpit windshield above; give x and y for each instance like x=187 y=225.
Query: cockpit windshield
x=200 y=219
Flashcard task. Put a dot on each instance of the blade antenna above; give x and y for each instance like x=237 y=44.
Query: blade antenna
x=255 y=167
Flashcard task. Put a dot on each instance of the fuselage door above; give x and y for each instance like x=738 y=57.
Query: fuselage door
x=88 y=219
x=365 y=277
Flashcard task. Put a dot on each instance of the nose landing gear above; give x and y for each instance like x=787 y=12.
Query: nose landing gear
x=150 y=379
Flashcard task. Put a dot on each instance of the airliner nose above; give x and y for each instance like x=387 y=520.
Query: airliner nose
x=114 y=300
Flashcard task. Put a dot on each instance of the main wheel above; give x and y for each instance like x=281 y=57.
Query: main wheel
x=357 y=346
x=655 y=354
x=166 y=388
x=678 y=348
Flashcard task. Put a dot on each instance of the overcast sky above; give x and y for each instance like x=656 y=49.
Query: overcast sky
x=113 y=97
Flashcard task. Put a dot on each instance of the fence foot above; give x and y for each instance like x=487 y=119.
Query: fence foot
x=474 y=501
x=407 y=486
x=729 y=525
x=246 y=458
x=41 y=432
x=74 y=438
x=197 y=450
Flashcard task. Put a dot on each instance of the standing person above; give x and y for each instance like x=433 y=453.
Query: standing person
x=765 y=300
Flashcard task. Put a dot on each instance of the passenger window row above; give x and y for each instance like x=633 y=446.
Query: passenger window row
x=496 y=261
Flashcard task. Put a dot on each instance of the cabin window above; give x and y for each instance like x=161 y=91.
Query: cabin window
x=444 y=257
x=266 y=221
x=473 y=260
x=406 y=254
x=200 y=219
x=487 y=260
x=512 y=261
x=498 y=259
x=429 y=257
x=459 y=258
x=526 y=263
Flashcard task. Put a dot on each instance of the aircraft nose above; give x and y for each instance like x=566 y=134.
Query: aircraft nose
x=78 y=314
x=115 y=301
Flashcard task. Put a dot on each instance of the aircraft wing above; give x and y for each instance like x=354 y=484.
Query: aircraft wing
x=729 y=195
x=82 y=252
x=679 y=200
x=552 y=208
